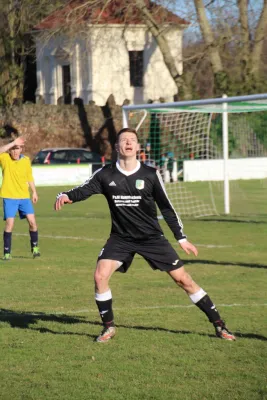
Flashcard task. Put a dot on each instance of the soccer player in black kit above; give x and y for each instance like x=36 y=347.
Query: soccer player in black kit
x=132 y=190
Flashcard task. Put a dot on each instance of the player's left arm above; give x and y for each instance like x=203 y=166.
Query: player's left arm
x=31 y=182
x=188 y=247
x=171 y=217
x=34 y=192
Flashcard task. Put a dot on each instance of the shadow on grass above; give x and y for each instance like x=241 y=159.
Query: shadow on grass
x=27 y=320
x=24 y=320
x=180 y=332
x=237 y=264
x=16 y=258
x=240 y=221
x=18 y=319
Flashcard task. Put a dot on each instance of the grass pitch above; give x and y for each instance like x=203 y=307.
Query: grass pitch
x=165 y=347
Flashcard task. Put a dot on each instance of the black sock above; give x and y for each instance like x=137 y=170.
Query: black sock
x=34 y=238
x=206 y=305
x=104 y=304
x=7 y=237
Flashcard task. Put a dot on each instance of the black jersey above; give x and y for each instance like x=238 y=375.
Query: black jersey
x=131 y=198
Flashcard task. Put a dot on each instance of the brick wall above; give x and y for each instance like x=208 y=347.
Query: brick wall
x=77 y=125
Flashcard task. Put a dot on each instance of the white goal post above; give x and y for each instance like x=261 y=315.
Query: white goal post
x=183 y=141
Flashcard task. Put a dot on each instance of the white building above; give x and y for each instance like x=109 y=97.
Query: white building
x=110 y=57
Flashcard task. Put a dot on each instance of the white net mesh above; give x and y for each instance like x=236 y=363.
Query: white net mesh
x=169 y=138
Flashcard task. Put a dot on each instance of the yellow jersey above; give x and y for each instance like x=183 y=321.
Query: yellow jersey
x=16 y=175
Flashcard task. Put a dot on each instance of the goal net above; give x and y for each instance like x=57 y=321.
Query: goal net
x=186 y=142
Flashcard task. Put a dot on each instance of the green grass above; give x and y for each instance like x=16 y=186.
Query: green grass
x=165 y=347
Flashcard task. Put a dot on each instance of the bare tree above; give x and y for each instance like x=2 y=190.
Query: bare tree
x=245 y=42
x=17 y=20
x=158 y=33
x=256 y=54
x=213 y=49
x=234 y=46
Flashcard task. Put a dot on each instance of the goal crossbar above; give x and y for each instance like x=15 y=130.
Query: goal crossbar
x=205 y=102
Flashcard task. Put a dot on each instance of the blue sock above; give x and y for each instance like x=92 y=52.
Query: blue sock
x=7 y=237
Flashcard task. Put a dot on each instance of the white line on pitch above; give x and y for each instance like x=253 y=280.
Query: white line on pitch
x=88 y=310
x=219 y=246
x=84 y=218
x=61 y=237
x=170 y=306
x=93 y=239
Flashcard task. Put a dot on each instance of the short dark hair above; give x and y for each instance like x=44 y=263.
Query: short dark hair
x=130 y=130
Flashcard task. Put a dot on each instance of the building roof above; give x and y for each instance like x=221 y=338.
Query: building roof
x=116 y=12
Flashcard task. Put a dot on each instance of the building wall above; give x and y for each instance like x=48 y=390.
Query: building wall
x=100 y=65
x=110 y=64
x=51 y=56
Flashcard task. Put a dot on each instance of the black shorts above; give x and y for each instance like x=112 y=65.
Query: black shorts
x=158 y=252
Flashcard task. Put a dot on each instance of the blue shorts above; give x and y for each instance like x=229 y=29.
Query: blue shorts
x=12 y=206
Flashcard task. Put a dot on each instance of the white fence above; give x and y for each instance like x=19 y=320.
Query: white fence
x=193 y=171
x=213 y=170
x=51 y=175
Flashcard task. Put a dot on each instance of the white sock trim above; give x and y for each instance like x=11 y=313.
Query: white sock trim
x=197 y=296
x=103 y=296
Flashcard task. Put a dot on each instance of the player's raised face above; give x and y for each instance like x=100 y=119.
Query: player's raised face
x=15 y=152
x=127 y=145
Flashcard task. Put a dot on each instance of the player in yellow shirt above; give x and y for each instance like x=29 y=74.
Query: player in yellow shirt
x=17 y=178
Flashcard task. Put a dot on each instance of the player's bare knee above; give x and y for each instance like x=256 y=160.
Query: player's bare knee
x=32 y=226
x=183 y=279
x=189 y=285
x=102 y=273
x=9 y=225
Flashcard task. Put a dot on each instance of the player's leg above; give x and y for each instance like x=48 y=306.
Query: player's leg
x=33 y=232
x=10 y=208
x=202 y=300
x=116 y=255
x=103 y=297
x=26 y=211
x=7 y=237
x=161 y=255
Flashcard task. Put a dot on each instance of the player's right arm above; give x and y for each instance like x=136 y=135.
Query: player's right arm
x=19 y=141
x=88 y=188
x=61 y=200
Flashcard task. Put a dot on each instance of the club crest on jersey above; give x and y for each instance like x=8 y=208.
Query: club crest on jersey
x=139 y=184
